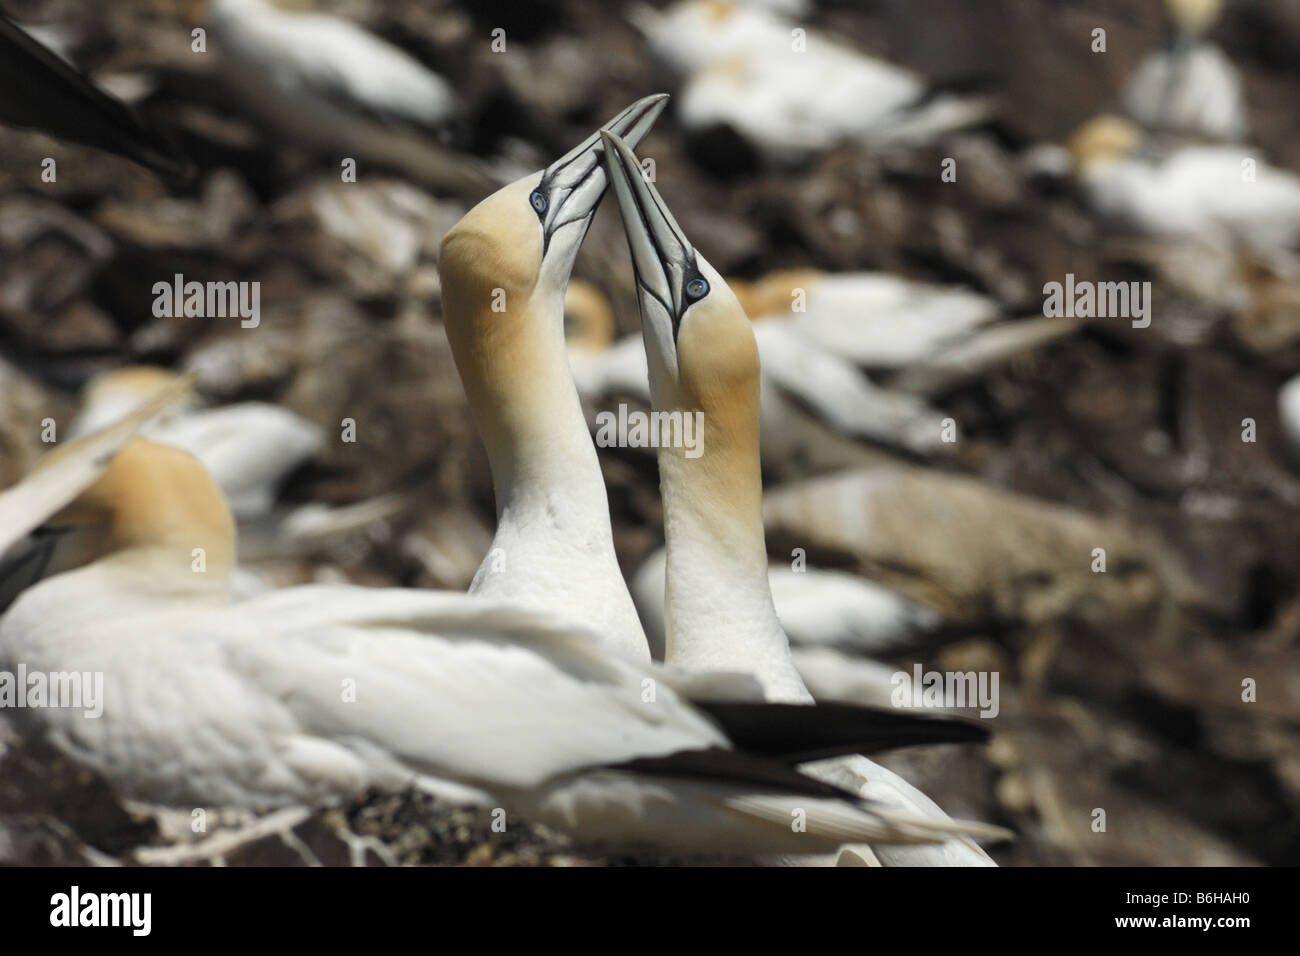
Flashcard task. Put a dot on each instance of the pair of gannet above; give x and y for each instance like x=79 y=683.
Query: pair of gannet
x=1225 y=196
x=322 y=81
x=248 y=447
x=321 y=693
x=1190 y=87
x=40 y=90
x=719 y=612
x=791 y=97
x=532 y=425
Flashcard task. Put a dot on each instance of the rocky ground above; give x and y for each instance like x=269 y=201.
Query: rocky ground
x=1131 y=705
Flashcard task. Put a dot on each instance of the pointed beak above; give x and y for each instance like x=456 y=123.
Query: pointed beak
x=571 y=187
x=663 y=258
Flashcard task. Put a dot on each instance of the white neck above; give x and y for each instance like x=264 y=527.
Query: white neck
x=718 y=610
x=553 y=547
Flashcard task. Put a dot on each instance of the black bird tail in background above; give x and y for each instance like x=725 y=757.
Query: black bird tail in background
x=795 y=733
x=39 y=91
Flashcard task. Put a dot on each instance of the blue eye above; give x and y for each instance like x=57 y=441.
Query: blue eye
x=697 y=288
x=538 y=202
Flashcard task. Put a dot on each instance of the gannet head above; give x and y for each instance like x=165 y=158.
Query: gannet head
x=523 y=239
x=699 y=343
x=155 y=509
x=1103 y=139
x=504 y=269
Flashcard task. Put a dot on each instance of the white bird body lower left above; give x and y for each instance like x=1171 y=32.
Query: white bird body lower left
x=323 y=692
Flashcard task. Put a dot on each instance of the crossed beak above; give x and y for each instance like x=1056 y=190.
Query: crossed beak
x=571 y=187
x=667 y=270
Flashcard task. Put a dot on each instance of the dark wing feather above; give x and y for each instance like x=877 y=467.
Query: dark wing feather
x=796 y=733
x=40 y=91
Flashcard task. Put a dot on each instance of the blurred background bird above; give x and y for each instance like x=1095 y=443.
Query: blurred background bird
x=1189 y=86
x=790 y=91
x=322 y=81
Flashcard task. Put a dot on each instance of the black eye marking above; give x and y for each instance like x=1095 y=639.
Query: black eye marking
x=538 y=201
x=697 y=288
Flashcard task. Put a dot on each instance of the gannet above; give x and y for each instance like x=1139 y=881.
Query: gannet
x=1190 y=87
x=504 y=268
x=1194 y=192
x=321 y=693
x=720 y=614
x=249 y=447
x=322 y=81
x=39 y=90
x=741 y=70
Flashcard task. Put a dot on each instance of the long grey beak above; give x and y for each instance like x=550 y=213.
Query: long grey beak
x=571 y=187
x=663 y=258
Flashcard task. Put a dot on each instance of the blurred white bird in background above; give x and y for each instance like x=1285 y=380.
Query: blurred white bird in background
x=719 y=612
x=1226 y=196
x=790 y=91
x=1190 y=87
x=924 y=337
x=248 y=447
x=321 y=81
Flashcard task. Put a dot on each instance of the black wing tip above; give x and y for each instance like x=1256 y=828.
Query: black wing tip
x=794 y=733
x=721 y=765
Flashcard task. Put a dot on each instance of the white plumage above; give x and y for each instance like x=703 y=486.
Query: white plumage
x=1222 y=195
x=788 y=90
x=325 y=65
x=320 y=82
x=1195 y=91
x=817 y=607
x=1202 y=192
x=879 y=320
